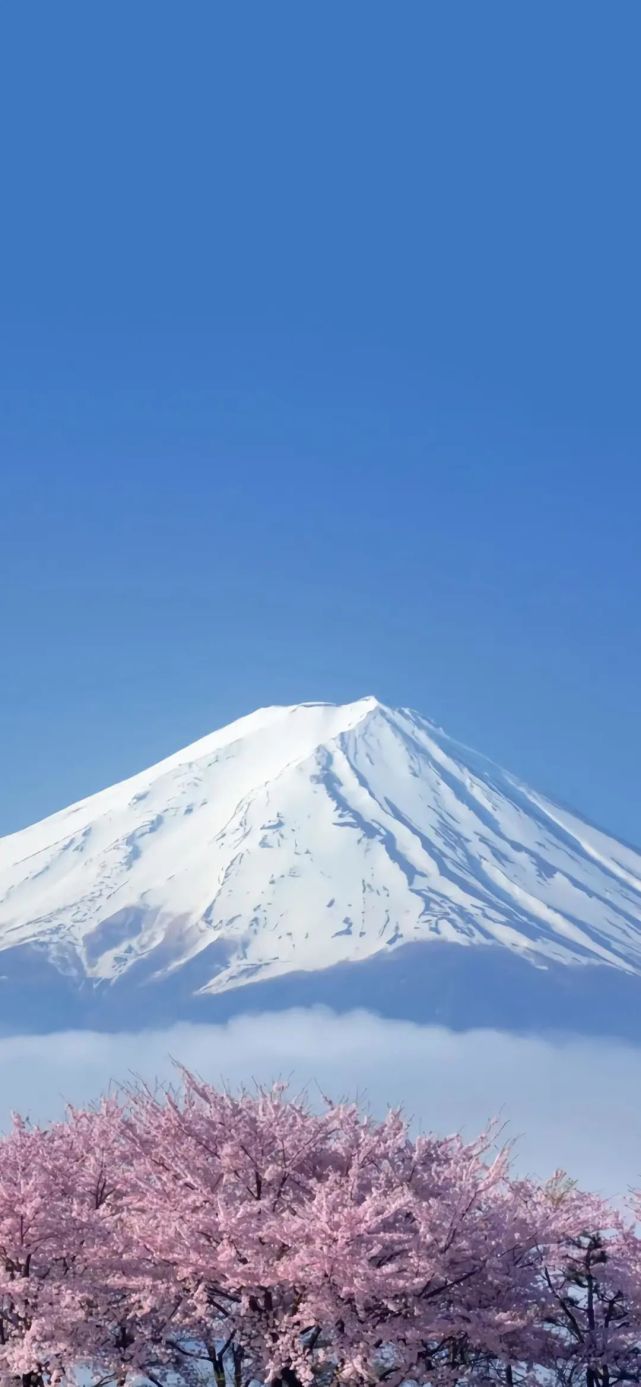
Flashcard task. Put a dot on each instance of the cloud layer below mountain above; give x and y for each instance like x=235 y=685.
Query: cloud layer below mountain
x=570 y=1103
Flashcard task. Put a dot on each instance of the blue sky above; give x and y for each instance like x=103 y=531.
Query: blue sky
x=319 y=376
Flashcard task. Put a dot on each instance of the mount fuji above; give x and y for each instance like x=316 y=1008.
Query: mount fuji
x=354 y=855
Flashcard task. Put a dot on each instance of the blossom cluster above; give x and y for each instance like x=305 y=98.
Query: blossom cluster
x=198 y=1235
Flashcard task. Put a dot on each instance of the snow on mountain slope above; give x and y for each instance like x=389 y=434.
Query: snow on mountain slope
x=298 y=838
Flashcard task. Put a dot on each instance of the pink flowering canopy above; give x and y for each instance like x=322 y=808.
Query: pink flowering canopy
x=239 y=1239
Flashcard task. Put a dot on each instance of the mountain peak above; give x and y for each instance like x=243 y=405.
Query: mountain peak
x=301 y=837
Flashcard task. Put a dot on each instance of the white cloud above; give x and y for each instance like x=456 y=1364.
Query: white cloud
x=570 y=1103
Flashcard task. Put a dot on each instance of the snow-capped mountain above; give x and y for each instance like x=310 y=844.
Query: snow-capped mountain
x=300 y=839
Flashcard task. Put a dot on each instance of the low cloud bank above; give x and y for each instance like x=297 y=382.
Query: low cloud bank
x=571 y=1103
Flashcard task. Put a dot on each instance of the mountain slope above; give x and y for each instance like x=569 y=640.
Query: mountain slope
x=300 y=839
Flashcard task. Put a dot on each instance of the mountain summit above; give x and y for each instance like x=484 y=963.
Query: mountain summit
x=301 y=839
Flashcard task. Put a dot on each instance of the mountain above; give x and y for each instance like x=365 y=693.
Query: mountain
x=353 y=854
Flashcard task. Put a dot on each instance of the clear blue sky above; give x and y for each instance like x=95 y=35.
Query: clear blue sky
x=320 y=376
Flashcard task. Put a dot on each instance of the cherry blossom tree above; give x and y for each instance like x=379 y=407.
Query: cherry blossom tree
x=593 y=1303
x=248 y=1238
x=68 y=1293
x=53 y=1187
x=309 y=1244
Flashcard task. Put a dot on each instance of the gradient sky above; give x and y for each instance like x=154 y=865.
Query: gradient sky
x=320 y=376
